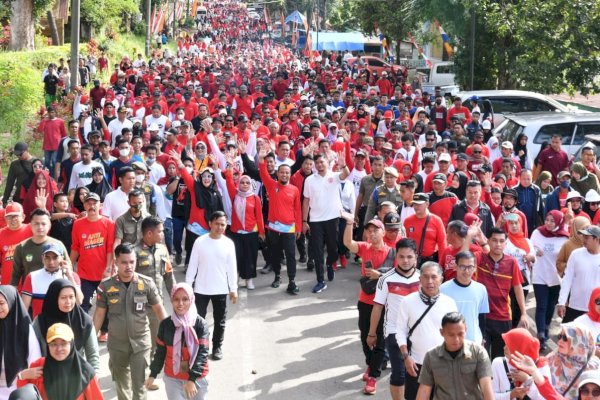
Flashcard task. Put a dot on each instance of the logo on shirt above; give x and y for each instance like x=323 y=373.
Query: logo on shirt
x=83 y=235
x=94 y=240
x=411 y=229
x=29 y=257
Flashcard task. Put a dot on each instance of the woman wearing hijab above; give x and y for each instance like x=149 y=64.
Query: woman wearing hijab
x=574 y=354
x=520 y=151
x=99 y=184
x=459 y=184
x=66 y=375
x=247 y=225
x=547 y=241
x=591 y=320
x=41 y=182
x=493 y=145
x=507 y=380
x=60 y=305
x=581 y=180
x=18 y=344
x=182 y=349
x=521 y=248
x=575 y=242
x=544 y=182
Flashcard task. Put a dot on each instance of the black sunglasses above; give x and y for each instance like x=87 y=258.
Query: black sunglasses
x=562 y=336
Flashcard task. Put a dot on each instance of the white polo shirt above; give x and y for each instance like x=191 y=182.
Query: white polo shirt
x=115 y=204
x=324 y=194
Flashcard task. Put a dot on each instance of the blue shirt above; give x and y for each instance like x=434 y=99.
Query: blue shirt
x=471 y=301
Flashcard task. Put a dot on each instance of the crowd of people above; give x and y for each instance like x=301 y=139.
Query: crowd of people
x=237 y=145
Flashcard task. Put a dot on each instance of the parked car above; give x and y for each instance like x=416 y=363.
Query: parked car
x=376 y=64
x=515 y=101
x=540 y=126
x=592 y=141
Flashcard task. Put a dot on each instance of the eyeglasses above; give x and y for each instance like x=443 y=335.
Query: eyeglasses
x=466 y=267
x=476 y=152
x=563 y=337
x=586 y=392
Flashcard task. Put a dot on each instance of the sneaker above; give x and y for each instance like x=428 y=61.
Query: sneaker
x=153 y=387
x=370 y=387
x=276 y=282
x=310 y=265
x=217 y=354
x=319 y=287
x=103 y=338
x=178 y=259
x=343 y=261
x=366 y=374
x=302 y=258
x=266 y=269
x=330 y=273
x=292 y=288
x=249 y=284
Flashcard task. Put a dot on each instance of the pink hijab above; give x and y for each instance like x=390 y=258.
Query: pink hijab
x=184 y=323
x=239 y=203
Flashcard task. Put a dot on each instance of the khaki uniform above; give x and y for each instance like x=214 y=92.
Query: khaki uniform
x=150 y=196
x=379 y=195
x=155 y=263
x=128 y=228
x=129 y=339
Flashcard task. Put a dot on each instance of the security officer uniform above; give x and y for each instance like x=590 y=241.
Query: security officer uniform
x=129 y=339
x=381 y=194
x=155 y=263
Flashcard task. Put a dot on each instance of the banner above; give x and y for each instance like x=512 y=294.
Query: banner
x=420 y=50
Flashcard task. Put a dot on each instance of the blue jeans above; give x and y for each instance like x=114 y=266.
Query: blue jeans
x=178 y=228
x=546 y=298
x=50 y=160
x=168 y=225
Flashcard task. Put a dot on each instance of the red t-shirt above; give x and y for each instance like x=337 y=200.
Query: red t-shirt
x=8 y=241
x=376 y=257
x=448 y=259
x=93 y=241
x=498 y=278
x=54 y=130
x=435 y=235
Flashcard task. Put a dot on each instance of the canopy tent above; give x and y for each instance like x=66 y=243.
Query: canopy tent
x=338 y=41
x=296 y=17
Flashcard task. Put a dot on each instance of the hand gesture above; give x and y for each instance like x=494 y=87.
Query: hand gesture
x=523 y=362
x=262 y=153
x=213 y=160
x=255 y=125
x=40 y=198
x=241 y=146
x=341 y=159
x=350 y=110
x=474 y=229
x=190 y=389
x=207 y=125
x=175 y=156
x=98 y=113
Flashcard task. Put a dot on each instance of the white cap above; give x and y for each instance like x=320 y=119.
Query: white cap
x=444 y=157
x=507 y=145
x=486 y=124
x=574 y=194
x=592 y=196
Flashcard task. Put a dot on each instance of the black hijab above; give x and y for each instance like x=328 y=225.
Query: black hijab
x=208 y=198
x=518 y=147
x=461 y=190
x=79 y=321
x=14 y=335
x=66 y=379
x=101 y=189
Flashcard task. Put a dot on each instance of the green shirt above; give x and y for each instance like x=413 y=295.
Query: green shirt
x=28 y=258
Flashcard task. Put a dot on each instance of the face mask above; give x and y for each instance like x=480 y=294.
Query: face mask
x=565 y=184
x=136 y=207
x=321 y=115
x=139 y=178
x=124 y=152
x=150 y=160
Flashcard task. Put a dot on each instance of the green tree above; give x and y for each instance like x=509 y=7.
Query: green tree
x=99 y=13
x=343 y=16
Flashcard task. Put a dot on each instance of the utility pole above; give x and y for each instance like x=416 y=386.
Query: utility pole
x=473 y=27
x=75 y=22
x=148 y=26
x=317 y=24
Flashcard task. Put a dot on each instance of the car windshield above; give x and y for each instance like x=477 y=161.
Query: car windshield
x=509 y=130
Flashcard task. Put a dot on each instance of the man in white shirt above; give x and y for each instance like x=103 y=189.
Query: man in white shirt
x=419 y=320
x=582 y=275
x=115 y=203
x=322 y=200
x=212 y=272
x=81 y=174
x=157 y=121
x=116 y=125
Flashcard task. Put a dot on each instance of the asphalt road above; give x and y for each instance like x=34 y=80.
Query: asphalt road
x=282 y=347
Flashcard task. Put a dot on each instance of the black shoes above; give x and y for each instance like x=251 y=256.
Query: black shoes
x=330 y=273
x=178 y=259
x=310 y=265
x=266 y=269
x=302 y=258
x=292 y=288
x=276 y=282
x=217 y=354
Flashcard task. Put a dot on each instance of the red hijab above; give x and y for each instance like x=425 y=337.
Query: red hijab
x=592 y=313
x=559 y=220
x=29 y=200
x=521 y=340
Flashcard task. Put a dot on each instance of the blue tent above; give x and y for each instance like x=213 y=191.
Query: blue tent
x=338 y=41
x=296 y=17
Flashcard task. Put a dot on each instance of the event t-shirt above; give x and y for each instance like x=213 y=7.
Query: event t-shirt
x=93 y=241
x=8 y=241
x=36 y=286
x=498 y=278
x=376 y=257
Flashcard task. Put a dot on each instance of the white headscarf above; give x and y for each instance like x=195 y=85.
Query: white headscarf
x=494 y=153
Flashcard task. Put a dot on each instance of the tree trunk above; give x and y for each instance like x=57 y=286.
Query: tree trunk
x=53 y=30
x=22 y=29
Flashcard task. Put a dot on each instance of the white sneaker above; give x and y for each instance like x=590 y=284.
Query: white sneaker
x=249 y=284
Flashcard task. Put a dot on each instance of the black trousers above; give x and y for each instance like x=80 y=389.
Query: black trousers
x=323 y=232
x=301 y=245
x=285 y=242
x=494 y=343
x=190 y=238
x=411 y=386
x=374 y=356
x=246 y=253
x=358 y=232
x=514 y=306
x=571 y=314
x=219 y=304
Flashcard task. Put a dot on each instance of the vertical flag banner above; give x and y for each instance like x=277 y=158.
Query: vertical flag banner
x=420 y=50
x=445 y=39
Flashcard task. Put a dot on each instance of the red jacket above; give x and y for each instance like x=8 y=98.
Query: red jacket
x=284 y=201
x=253 y=218
x=91 y=392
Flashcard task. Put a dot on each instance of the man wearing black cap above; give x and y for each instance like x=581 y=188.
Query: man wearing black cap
x=441 y=201
x=426 y=229
x=18 y=171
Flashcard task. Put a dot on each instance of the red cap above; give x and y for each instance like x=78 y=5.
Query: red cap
x=13 y=209
x=388 y=114
x=375 y=222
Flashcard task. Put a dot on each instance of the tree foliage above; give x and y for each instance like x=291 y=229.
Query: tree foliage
x=100 y=13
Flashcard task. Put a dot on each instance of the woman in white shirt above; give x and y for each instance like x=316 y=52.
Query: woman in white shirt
x=547 y=241
x=591 y=320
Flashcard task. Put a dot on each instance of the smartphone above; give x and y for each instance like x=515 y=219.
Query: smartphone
x=368 y=265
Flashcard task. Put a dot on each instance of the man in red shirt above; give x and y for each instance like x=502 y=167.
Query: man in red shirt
x=553 y=158
x=425 y=223
x=499 y=273
x=10 y=236
x=93 y=238
x=463 y=113
x=53 y=129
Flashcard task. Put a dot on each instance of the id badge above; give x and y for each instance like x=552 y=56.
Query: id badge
x=139 y=306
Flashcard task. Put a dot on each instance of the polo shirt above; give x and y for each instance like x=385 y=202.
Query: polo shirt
x=498 y=278
x=323 y=192
x=367 y=185
x=456 y=378
x=391 y=290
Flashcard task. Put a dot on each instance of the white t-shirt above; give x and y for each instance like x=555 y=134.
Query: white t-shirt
x=391 y=290
x=160 y=121
x=517 y=253
x=426 y=335
x=115 y=204
x=115 y=127
x=212 y=269
x=157 y=171
x=355 y=177
x=544 y=270
x=323 y=192
x=81 y=174
x=581 y=277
